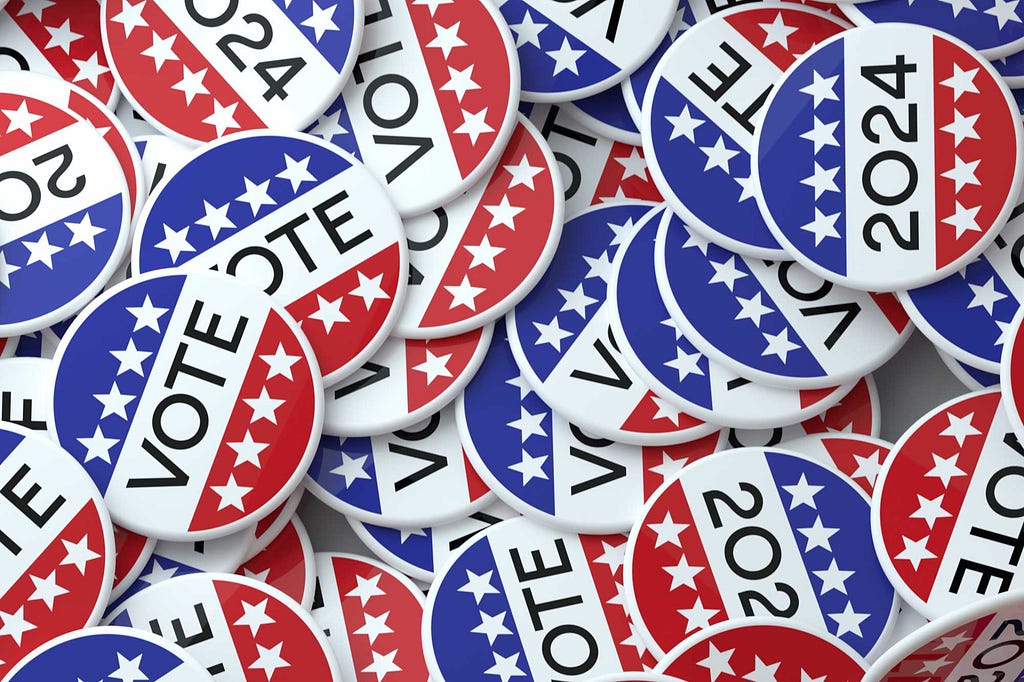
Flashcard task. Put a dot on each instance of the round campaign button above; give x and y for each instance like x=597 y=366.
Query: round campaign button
x=524 y=600
x=415 y=477
x=981 y=641
x=299 y=219
x=562 y=340
x=199 y=71
x=973 y=378
x=287 y=563
x=968 y=313
x=568 y=51
x=234 y=626
x=56 y=545
x=550 y=469
x=432 y=103
x=758 y=530
x=595 y=169
x=606 y=113
x=60 y=39
x=418 y=552
x=114 y=653
x=888 y=157
x=66 y=211
x=474 y=259
x=372 y=616
x=23 y=397
x=773 y=322
x=273 y=524
x=700 y=109
x=404 y=383
x=943 y=506
x=763 y=649
x=131 y=555
x=667 y=362
x=193 y=401
x=859 y=457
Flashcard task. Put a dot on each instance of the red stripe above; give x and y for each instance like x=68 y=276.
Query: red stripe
x=128 y=549
x=691 y=452
x=102 y=118
x=53 y=119
x=843 y=453
x=642 y=419
x=286 y=560
x=612 y=178
x=855 y=410
x=810 y=397
x=811 y=29
x=462 y=349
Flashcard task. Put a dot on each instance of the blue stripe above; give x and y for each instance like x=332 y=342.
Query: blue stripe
x=362 y=493
x=417 y=550
x=333 y=46
x=94 y=656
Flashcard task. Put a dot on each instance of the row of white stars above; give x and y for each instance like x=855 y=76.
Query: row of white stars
x=719 y=662
x=42 y=251
x=374 y=626
x=62 y=36
x=446 y=39
x=565 y=57
x=1004 y=11
x=268 y=659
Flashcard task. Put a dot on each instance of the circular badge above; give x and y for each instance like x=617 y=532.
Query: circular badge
x=968 y=313
x=287 y=564
x=699 y=113
x=979 y=641
x=859 y=457
x=973 y=378
x=297 y=218
x=667 y=362
x=404 y=383
x=550 y=469
x=754 y=531
x=66 y=212
x=372 y=616
x=109 y=653
x=56 y=545
x=418 y=552
x=773 y=322
x=234 y=626
x=561 y=338
x=571 y=51
x=524 y=600
x=606 y=113
x=474 y=259
x=416 y=477
x=23 y=397
x=944 y=504
x=60 y=39
x=131 y=555
x=887 y=158
x=199 y=71
x=432 y=103
x=273 y=524
x=634 y=88
x=763 y=649
x=193 y=401
x=595 y=169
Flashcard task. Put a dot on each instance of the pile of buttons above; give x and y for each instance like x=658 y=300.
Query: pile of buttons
x=565 y=311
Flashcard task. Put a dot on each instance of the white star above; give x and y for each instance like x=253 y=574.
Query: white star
x=529 y=424
x=351 y=468
x=763 y=672
x=369 y=289
x=129 y=670
x=147 y=316
x=483 y=253
x=6 y=270
x=36 y=8
x=131 y=358
x=635 y=164
x=269 y=660
x=460 y=82
x=90 y=69
x=822 y=226
x=231 y=494
x=961 y=81
x=524 y=388
x=432 y=5
x=366 y=589
x=833 y=578
x=191 y=83
x=374 y=626
x=530 y=467
x=492 y=626
x=175 y=242
x=684 y=124
x=551 y=334
x=667 y=531
x=930 y=509
x=62 y=36
x=222 y=118
x=718 y=155
x=565 y=58
x=964 y=219
x=669 y=468
x=985 y=295
x=46 y=589
x=41 y=251
x=114 y=402
x=15 y=625
x=280 y=363
x=953 y=641
x=752 y=309
x=821 y=89
x=698 y=617
x=130 y=16
x=464 y=294
x=446 y=38
x=295 y=172
x=958 y=5
x=576 y=300
x=823 y=180
x=818 y=535
x=746 y=187
x=726 y=273
x=158 y=574
x=474 y=125
x=528 y=31
x=962 y=127
x=256 y=195
x=20 y=118
x=848 y=621
x=934 y=666
x=523 y=173
x=434 y=366
x=263 y=407
x=248 y=450
x=683 y=573
x=78 y=554
x=599 y=267
x=98 y=446
x=665 y=410
x=161 y=51
x=328 y=313
x=635 y=640
x=670 y=323
x=613 y=556
x=1004 y=12
x=802 y=493
x=503 y=213
x=779 y=345
x=215 y=218
x=962 y=173
x=686 y=364
x=822 y=135
x=945 y=468
x=382 y=664
x=960 y=427
x=505 y=667
x=804 y=677
x=254 y=616
x=868 y=467
x=777 y=33
x=478 y=585
x=717 y=662
x=622 y=232
x=322 y=21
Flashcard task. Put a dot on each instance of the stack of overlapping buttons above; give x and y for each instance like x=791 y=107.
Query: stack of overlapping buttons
x=566 y=313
